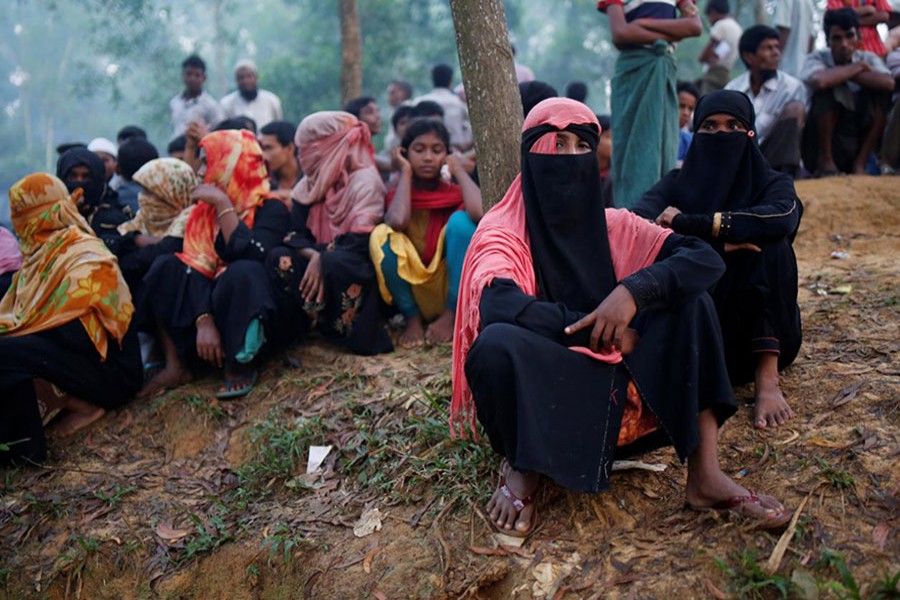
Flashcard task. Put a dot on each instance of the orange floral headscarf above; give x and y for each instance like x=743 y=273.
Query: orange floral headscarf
x=67 y=273
x=165 y=201
x=235 y=165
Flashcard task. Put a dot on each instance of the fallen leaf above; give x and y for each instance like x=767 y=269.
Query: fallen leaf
x=716 y=592
x=367 y=561
x=880 y=534
x=806 y=586
x=627 y=465
x=167 y=532
x=817 y=441
x=369 y=522
x=846 y=394
x=379 y=594
x=794 y=435
x=482 y=551
x=508 y=540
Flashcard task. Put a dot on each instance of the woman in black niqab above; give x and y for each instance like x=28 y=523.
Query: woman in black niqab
x=727 y=194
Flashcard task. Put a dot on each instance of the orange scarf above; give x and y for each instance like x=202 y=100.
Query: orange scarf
x=500 y=249
x=235 y=165
x=67 y=272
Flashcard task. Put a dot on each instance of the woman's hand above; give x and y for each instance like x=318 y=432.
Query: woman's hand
x=211 y=195
x=667 y=217
x=209 y=342
x=312 y=287
x=609 y=322
x=400 y=162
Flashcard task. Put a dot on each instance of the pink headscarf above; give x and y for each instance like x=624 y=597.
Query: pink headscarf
x=10 y=256
x=500 y=249
x=341 y=183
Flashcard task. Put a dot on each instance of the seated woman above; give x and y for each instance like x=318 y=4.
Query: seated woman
x=10 y=259
x=79 y=168
x=586 y=333
x=165 y=206
x=214 y=298
x=324 y=277
x=728 y=195
x=419 y=249
x=65 y=342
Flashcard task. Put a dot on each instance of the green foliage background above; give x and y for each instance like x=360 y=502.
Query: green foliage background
x=79 y=69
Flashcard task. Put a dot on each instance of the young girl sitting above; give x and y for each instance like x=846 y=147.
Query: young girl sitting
x=418 y=251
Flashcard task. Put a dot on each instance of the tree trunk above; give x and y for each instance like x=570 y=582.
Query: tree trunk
x=762 y=18
x=351 y=52
x=220 y=84
x=495 y=107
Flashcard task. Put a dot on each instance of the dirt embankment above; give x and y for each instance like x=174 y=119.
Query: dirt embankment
x=183 y=497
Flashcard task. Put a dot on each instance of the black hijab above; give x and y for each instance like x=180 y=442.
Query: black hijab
x=726 y=171
x=566 y=221
x=93 y=189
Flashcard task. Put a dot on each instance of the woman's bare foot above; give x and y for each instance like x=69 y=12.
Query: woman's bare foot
x=441 y=330
x=413 y=335
x=79 y=414
x=511 y=516
x=771 y=409
x=171 y=376
x=718 y=492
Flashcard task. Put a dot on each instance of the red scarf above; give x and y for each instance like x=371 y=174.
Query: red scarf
x=234 y=164
x=441 y=203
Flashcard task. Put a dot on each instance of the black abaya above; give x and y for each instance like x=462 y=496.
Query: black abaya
x=66 y=357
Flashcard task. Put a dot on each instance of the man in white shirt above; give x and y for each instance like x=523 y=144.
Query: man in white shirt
x=721 y=52
x=794 y=20
x=456 y=115
x=779 y=99
x=194 y=104
x=248 y=100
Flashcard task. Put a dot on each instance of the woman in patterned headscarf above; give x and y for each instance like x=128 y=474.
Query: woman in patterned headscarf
x=64 y=341
x=158 y=229
x=213 y=299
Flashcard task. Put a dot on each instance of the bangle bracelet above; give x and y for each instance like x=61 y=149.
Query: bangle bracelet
x=225 y=212
x=200 y=318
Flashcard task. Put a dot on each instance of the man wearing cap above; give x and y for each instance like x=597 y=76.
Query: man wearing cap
x=108 y=151
x=248 y=100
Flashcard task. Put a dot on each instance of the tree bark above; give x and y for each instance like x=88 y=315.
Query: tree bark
x=495 y=107
x=351 y=52
x=762 y=18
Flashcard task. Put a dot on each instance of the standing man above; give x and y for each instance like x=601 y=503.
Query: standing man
x=778 y=98
x=644 y=102
x=721 y=52
x=194 y=104
x=794 y=20
x=456 y=114
x=851 y=92
x=248 y=100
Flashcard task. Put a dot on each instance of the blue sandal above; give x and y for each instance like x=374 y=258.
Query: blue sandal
x=232 y=389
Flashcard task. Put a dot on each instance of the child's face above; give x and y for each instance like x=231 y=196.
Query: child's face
x=426 y=155
x=686 y=105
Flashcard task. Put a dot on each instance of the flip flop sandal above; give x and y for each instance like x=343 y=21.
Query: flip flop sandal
x=230 y=391
x=519 y=504
x=152 y=369
x=735 y=504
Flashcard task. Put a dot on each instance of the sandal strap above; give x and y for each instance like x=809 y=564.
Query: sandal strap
x=518 y=503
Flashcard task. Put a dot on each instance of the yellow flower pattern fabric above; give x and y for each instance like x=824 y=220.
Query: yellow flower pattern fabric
x=67 y=273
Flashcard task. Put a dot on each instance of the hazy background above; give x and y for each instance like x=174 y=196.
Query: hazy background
x=73 y=70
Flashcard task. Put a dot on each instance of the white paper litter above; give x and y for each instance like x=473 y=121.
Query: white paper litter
x=317 y=455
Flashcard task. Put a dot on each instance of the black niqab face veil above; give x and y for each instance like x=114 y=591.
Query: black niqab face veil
x=723 y=171
x=566 y=221
x=93 y=189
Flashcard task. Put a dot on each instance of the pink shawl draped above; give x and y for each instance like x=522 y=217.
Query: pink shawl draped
x=10 y=256
x=341 y=184
x=500 y=249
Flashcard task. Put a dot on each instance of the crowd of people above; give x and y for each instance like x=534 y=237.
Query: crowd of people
x=604 y=268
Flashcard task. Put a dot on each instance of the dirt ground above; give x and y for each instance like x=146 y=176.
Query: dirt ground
x=183 y=497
